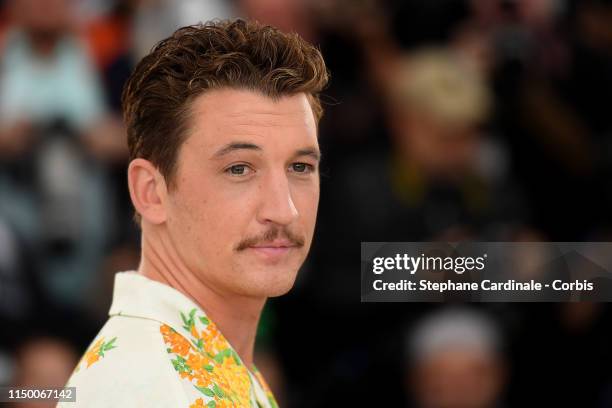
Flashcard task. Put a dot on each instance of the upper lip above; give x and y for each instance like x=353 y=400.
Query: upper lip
x=277 y=243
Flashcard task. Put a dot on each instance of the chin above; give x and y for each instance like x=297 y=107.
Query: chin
x=280 y=290
x=268 y=280
x=272 y=287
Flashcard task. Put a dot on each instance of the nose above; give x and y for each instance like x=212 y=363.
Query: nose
x=276 y=202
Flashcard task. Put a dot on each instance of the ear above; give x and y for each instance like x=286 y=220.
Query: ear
x=147 y=190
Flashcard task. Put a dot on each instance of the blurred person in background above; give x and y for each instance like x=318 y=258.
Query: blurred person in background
x=442 y=166
x=440 y=180
x=25 y=312
x=456 y=361
x=56 y=137
x=43 y=363
x=443 y=177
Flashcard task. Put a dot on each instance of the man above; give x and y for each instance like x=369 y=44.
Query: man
x=56 y=142
x=42 y=362
x=456 y=361
x=222 y=131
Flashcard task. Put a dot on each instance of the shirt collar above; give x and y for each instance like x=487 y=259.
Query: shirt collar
x=135 y=295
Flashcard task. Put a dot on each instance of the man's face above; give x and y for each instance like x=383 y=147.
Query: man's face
x=44 y=17
x=243 y=207
x=441 y=150
x=458 y=379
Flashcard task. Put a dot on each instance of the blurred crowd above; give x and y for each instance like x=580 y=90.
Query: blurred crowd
x=445 y=120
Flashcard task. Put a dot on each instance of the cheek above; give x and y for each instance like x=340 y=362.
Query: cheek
x=193 y=212
x=218 y=214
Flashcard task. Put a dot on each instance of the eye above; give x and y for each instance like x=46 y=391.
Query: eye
x=302 y=168
x=238 y=170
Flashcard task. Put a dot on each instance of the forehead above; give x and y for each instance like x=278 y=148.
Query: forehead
x=223 y=114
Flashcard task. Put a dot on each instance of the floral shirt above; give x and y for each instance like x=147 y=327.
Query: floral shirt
x=159 y=349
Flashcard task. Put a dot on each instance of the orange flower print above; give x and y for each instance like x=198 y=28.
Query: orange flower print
x=178 y=344
x=203 y=356
x=199 y=403
x=96 y=352
x=92 y=355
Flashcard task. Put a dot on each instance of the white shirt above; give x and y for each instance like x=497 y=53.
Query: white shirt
x=41 y=89
x=158 y=349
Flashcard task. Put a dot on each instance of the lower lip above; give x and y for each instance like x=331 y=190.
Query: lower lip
x=272 y=253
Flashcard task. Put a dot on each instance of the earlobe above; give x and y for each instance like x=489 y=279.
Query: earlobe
x=147 y=191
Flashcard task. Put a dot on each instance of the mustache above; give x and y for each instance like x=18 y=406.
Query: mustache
x=270 y=235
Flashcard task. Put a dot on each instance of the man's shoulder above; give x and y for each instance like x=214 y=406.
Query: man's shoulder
x=131 y=338
x=126 y=363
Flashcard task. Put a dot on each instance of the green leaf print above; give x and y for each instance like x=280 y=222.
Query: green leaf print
x=218 y=391
x=110 y=345
x=235 y=356
x=189 y=322
x=222 y=355
x=180 y=365
x=206 y=391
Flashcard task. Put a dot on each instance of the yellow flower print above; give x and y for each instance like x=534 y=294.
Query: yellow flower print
x=203 y=356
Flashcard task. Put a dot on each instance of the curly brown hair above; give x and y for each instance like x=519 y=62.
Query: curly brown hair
x=234 y=54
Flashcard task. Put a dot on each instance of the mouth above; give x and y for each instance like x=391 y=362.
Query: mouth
x=273 y=251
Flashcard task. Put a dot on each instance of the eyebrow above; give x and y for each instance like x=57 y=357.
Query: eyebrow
x=311 y=152
x=232 y=147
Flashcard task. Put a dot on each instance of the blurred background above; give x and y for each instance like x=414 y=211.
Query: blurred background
x=445 y=120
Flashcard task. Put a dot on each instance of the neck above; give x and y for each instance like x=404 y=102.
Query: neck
x=235 y=316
